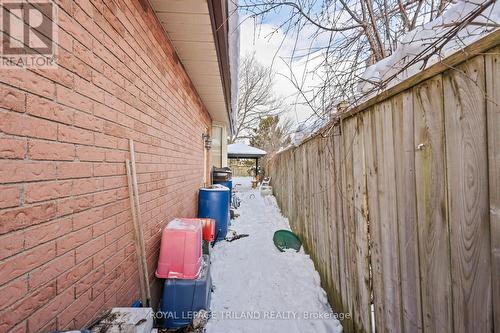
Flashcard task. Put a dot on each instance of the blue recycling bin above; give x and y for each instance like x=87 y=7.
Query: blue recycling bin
x=213 y=203
x=182 y=299
x=229 y=185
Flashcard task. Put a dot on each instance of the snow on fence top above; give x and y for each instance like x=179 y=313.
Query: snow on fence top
x=431 y=43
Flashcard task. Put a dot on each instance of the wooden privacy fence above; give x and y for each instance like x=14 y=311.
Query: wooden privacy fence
x=398 y=204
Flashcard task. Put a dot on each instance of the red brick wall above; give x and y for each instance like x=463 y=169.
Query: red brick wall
x=66 y=242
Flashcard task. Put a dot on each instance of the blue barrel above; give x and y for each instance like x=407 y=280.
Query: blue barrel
x=213 y=203
x=229 y=185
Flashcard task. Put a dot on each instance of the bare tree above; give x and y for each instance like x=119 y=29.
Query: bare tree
x=256 y=99
x=341 y=38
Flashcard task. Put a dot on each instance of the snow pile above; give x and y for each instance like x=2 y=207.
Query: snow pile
x=399 y=66
x=305 y=130
x=240 y=148
x=258 y=288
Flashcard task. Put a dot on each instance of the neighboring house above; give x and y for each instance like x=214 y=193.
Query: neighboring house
x=160 y=72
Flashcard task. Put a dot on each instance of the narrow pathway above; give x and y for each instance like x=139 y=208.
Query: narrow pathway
x=258 y=288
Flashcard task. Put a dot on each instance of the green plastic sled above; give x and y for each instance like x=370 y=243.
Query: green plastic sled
x=284 y=239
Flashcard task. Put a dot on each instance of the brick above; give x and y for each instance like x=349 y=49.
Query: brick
x=83 y=53
x=18 y=218
x=102 y=52
x=18 y=171
x=75 y=135
x=66 y=317
x=11 y=196
x=108 y=169
x=12 y=99
x=50 y=326
x=88 y=281
x=47 y=231
x=115 y=208
x=89 y=7
x=10 y=244
x=88 y=121
x=103 y=82
x=21 y=310
x=90 y=154
x=26 y=261
x=28 y=81
x=103 y=284
x=89 y=90
x=115 y=182
x=83 y=19
x=13 y=291
x=88 y=249
x=19 y=328
x=44 y=108
x=87 y=218
x=73 y=240
x=13 y=148
x=105 y=112
x=74 y=29
x=106 y=141
x=105 y=197
x=49 y=150
x=118 y=80
x=72 y=63
x=51 y=270
x=116 y=156
x=65 y=40
x=22 y=125
x=69 y=278
x=93 y=310
x=59 y=75
x=115 y=234
x=125 y=120
x=114 y=261
x=74 y=170
x=66 y=5
x=103 y=226
x=103 y=255
x=114 y=102
x=43 y=191
x=87 y=185
x=73 y=99
x=74 y=204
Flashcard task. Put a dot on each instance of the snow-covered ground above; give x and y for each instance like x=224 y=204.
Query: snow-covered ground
x=258 y=288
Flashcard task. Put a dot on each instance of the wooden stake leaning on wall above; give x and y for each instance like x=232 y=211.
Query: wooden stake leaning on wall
x=139 y=222
x=142 y=282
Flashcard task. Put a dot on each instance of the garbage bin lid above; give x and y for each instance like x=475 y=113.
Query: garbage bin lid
x=215 y=187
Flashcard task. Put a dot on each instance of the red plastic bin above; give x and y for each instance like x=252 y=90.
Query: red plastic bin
x=180 y=250
x=208 y=227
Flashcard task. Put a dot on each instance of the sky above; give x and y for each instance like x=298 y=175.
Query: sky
x=270 y=48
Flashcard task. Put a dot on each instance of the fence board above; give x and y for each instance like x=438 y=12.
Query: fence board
x=466 y=152
x=434 y=250
x=334 y=216
x=493 y=117
x=388 y=220
x=360 y=272
x=406 y=211
x=371 y=161
x=339 y=170
x=348 y=212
